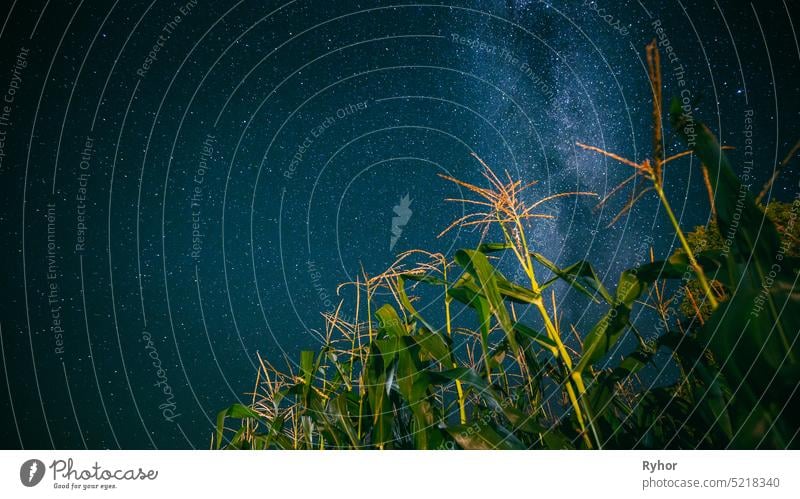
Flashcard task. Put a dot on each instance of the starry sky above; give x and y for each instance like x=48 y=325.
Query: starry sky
x=184 y=184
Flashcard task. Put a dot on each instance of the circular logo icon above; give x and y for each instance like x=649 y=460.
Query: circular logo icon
x=31 y=472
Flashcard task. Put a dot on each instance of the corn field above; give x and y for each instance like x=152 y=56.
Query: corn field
x=399 y=372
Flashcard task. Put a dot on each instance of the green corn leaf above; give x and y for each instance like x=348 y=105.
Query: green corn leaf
x=390 y=322
x=737 y=212
x=605 y=334
x=485 y=275
x=484 y=436
x=470 y=378
x=581 y=276
x=236 y=411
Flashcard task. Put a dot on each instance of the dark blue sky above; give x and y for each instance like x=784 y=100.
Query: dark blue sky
x=181 y=193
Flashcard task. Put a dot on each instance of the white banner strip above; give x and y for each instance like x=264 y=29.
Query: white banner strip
x=334 y=474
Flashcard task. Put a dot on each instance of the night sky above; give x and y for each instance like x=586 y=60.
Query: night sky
x=184 y=184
